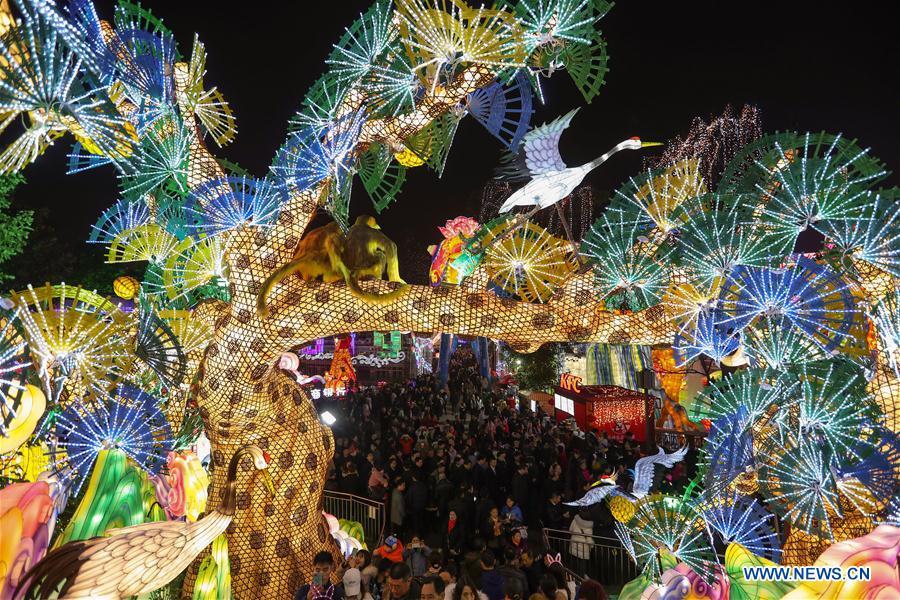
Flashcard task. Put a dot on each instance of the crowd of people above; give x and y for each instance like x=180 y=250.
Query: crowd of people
x=470 y=481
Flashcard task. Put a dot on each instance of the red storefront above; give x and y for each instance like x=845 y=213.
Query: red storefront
x=607 y=408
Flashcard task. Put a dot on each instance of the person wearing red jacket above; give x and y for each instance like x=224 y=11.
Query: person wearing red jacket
x=392 y=549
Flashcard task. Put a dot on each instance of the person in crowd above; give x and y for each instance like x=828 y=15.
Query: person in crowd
x=417 y=500
x=509 y=568
x=516 y=543
x=465 y=589
x=591 y=590
x=352 y=582
x=320 y=583
x=532 y=568
x=513 y=590
x=491 y=579
x=378 y=482
x=366 y=568
x=398 y=505
x=433 y=588
x=519 y=485
x=449 y=575
x=351 y=482
x=493 y=528
x=564 y=587
x=378 y=585
x=581 y=542
x=391 y=550
x=556 y=516
x=548 y=588
x=416 y=555
x=401 y=585
x=511 y=511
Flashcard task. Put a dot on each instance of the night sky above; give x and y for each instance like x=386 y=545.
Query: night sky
x=807 y=65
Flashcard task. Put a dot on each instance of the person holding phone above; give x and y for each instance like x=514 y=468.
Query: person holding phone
x=320 y=586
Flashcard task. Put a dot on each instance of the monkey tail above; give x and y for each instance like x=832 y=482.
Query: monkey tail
x=261 y=308
x=376 y=298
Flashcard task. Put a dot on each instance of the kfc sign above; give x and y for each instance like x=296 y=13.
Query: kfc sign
x=570 y=382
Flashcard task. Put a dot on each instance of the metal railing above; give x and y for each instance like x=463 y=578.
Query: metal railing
x=368 y=512
x=602 y=559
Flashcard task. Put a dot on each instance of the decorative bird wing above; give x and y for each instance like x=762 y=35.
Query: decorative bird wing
x=644 y=468
x=541 y=145
x=597 y=494
x=539 y=152
x=129 y=562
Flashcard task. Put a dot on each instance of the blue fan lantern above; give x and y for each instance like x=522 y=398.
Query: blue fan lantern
x=708 y=335
x=120 y=217
x=129 y=419
x=729 y=449
x=809 y=296
x=310 y=155
x=149 y=71
x=83 y=33
x=228 y=203
x=504 y=110
x=877 y=466
x=743 y=520
x=81 y=160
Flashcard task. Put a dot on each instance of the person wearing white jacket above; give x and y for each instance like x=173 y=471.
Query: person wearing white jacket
x=581 y=543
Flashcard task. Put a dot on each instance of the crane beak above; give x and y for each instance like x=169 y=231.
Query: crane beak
x=649 y=144
x=267 y=479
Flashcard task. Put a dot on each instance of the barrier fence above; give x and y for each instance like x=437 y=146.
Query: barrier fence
x=602 y=559
x=370 y=513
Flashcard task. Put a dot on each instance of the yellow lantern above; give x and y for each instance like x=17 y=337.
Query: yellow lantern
x=126 y=287
x=31 y=407
x=621 y=508
x=408 y=158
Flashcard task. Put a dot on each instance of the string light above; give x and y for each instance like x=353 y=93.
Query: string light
x=39 y=78
x=209 y=106
x=529 y=263
x=719 y=235
x=773 y=342
x=825 y=178
x=834 y=408
x=713 y=144
x=160 y=158
x=886 y=317
x=553 y=21
x=652 y=201
x=445 y=34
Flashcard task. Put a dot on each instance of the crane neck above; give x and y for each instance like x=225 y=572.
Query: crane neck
x=605 y=157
